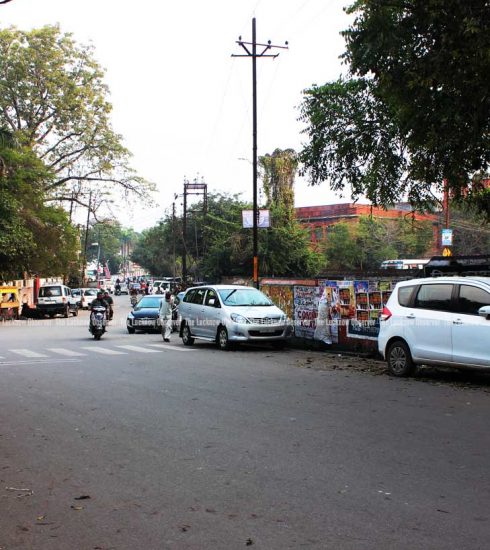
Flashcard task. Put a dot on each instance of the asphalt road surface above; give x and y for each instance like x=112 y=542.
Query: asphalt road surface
x=130 y=443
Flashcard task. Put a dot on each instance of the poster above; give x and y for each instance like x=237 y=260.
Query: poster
x=282 y=296
x=305 y=310
x=331 y=287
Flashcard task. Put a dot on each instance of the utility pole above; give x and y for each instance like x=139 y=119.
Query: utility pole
x=173 y=233
x=194 y=188
x=254 y=55
x=84 y=264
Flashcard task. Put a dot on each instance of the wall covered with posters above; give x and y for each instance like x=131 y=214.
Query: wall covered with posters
x=324 y=310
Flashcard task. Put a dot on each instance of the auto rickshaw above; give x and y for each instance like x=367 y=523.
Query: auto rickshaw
x=9 y=303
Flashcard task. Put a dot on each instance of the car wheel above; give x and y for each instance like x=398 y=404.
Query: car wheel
x=131 y=330
x=187 y=338
x=399 y=359
x=222 y=339
x=66 y=313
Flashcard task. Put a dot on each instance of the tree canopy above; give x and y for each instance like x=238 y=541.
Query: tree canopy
x=53 y=98
x=217 y=244
x=416 y=109
x=34 y=237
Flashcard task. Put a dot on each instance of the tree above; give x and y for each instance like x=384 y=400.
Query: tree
x=34 y=237
x=278 y=175
x=284 y=248
x=54 y=100
x=420 y=70
x=363 y=246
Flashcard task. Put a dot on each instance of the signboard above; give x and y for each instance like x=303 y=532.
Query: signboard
x=447 y=237
x=305 y=310
x=262 y=222
x=447 y=252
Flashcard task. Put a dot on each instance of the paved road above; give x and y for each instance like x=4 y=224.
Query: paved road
x=129 y=443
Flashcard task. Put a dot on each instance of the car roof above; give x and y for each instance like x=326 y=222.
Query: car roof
x=222 y=287
x=447 y=279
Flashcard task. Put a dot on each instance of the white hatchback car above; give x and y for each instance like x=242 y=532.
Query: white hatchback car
x=228 y=314
x=441 y=321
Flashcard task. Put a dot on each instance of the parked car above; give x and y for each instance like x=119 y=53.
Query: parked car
x=228 y=314
x=88 y=296
x=77 y=293
x=144 y=315
x=56 y=299
x=441 y=321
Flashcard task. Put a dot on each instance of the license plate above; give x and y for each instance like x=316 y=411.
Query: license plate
x=145 y=322
x=267 y=330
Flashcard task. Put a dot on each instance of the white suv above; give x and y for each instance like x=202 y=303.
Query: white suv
x=438 y=321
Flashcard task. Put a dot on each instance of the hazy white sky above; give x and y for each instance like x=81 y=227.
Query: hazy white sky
x=181 y=102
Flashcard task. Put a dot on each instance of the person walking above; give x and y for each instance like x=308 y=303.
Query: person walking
x=165 y=315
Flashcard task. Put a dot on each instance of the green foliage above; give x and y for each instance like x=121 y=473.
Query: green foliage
x=218 y=245
x=110 y=235
x=365 y=245
x=417 y=110
x=53 y=99
x=278 y=175
x=153 y=249
x=33 y=237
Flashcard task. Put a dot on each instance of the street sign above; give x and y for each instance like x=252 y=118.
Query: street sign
x=447 y=237
x=262 y=222
x=447 y=252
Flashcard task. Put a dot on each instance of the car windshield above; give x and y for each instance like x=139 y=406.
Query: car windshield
x=76 y=292
x=148 y=301
x=90 y=292
x=243 y=297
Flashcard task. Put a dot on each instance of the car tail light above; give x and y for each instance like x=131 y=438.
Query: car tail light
x=385 y=314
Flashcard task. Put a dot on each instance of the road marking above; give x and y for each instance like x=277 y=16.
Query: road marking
x=69 y=352
x=171 y=348
x=139 y=349
x=37 y=361
x=104 y=351
x=28 y=353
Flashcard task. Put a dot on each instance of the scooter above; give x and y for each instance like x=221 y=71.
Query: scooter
x=134 y=299
x=118 y=290
x=98 y=322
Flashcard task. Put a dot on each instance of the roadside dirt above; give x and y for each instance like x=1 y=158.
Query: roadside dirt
x=464 y=379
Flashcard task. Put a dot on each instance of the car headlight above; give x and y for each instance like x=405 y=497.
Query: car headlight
x=240 y=319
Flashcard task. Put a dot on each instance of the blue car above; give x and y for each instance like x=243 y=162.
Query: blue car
x=144 y=315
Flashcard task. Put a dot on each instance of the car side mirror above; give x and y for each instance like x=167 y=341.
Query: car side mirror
x=484 y=312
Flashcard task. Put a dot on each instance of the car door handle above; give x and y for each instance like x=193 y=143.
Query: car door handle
x=411 y=316
x=457 y=322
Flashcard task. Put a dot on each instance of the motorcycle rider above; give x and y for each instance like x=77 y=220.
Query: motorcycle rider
x=98 y=302
x=133 y=296
x=110 y=303
x=117 y=288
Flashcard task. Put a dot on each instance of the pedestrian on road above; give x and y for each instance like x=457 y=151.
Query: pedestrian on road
x=165 y=314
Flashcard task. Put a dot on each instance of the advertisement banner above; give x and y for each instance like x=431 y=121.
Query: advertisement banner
x=305 y=310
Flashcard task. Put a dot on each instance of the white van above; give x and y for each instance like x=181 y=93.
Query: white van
x=55 y=299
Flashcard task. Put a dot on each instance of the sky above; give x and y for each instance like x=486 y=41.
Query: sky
x=180 y=100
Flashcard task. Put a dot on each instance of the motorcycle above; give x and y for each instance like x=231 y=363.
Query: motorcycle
x=98 y=322
x=134 y=299
x=118 y=290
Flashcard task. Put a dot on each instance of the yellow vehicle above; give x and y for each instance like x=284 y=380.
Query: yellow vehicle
x=9 y=302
